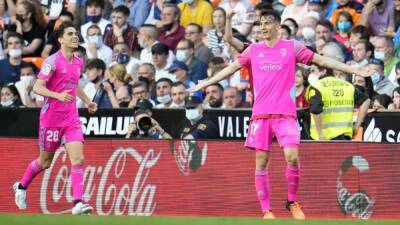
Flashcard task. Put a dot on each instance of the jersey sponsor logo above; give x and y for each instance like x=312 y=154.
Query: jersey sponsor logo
x=283 y=52
x=270 y=66
x=46 y=69
x=261 y=55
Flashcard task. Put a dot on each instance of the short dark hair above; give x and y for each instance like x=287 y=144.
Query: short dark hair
x=177 y=12
x=68 y=14
x=60 y=31
x=81 y=50
x=397 y=89
x=11 y=34
x=217 y=60
x=263 y=5
x=285 y=27
x=326 y=24
x=296 y=25
x=378 y=62
x=15 y=92
x=95 y=64
x=367 y=45
x=177 y=83
x=362 y=30
x=273 y=13
x=160 y=48
x=189 y=43
x=122 y=9
x=383 y=99
x=218 y=85
x=164 y=79
x=139 y=84
x=28 y=65
x=151 y=66
x=100 y=3
x=199 y=28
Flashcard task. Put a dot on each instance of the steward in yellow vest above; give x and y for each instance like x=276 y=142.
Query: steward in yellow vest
x=332 y=103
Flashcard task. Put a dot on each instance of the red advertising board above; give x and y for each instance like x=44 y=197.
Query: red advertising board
x=210 y=178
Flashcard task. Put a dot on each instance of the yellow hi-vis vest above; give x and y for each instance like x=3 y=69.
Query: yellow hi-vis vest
x=337 y=115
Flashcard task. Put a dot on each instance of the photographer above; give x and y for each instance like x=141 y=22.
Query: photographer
x=144 y=126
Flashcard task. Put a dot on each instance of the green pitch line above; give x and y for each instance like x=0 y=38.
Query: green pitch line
x=14 y=219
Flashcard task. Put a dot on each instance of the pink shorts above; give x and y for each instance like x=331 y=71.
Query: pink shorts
x=50 y=138
x=261 y=131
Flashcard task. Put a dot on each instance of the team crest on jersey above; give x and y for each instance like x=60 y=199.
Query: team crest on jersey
x=283 y=52
x=46 y=69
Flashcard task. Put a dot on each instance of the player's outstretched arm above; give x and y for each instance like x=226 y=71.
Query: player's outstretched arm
x=336 y=65
x=40 y=89
x=226 y=72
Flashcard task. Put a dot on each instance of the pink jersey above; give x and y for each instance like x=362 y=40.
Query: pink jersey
x=60 y=75
x=273 y=70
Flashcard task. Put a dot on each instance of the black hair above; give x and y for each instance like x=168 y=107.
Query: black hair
x=285 y=27
x=100 y=3
x=383 y=99
x=218 y=85
x=189 y=43
x=199 y=28
x=164 y=79
x=95 y=64
x=67 y=13
x=326 y=24
x=296 y=25
x=11 y=34
x=139 y=84
x=177 y=83
x=273 y=13
x=14 y=91
x=362 y=30
x=60 y=31
x=122 y=9
x=29 y=65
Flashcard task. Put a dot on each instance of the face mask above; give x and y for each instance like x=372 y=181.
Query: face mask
x=144 y=80
x=192 y=114
x=379 y=55
x=362 y=62
x=181 y=55
x=298 y=2
x=123 y=104
x=164 y=99
x=7 y=103
x=168 y=27
x=15 y=53
x=20 y=18
x=93 y=19
x=187 y=1
x=308 y=33
x=344 y=26
x=122 y=58
x=312 y=78
x=376 y=77
x=27 y=79
x=96 y=39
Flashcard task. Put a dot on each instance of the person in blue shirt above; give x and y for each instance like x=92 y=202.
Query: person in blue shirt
x=11 y=66
x=139 y=11
x=181 y=72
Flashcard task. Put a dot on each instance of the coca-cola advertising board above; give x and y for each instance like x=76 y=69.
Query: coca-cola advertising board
x=210 y=178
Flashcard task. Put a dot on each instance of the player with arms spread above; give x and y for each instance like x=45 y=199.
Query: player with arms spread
x=59 y=119
x=272 y=63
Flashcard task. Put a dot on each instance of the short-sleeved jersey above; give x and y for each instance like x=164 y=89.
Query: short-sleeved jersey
x=273 y=75
x=202 y=14
x=60 y=75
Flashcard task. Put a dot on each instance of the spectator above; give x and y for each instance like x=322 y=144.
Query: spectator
x=284 y=32
x=200 y=127
x=180 y=70
x=25 y=86
x=52 y=45
x=215 y=40
x=366 y=84
x=244 y=14
x=295 y=11
x=140 y=91
x=233 y=99
x=178 y=95
x=325 y=34
x=196 y=11
x=139 y=11
x=116 y=80
x=362 y=51
x=397 y=77
x=382 y=85
x=159 y=54
x=169 y=30
x=123 y=96
x=10 y=66
x=381 y=101
x=95 y=47
x=31 y=25
x=123 y=55
x=94 y=10
x=121 y=31
x=384 y=50
x=293 y=25
x=10 y=97
x=147 y=37
x=343 y=24
x=256 y=34
x=214 y=96
x=395 y=34
x=377 y=15
x=194 y=32
x=301 y=86
x=317 y=6
x=358 y=33
x=163 y=91
x=307 y=32
x=94 y=89
x=353 y=8
x=80 y=52
x=147 y=74
x=185 y=53
x=396 y=99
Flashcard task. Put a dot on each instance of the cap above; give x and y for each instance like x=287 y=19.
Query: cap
x=160 y=48
x=176 y=66
x=376 y=62
x=192 y=101
x=143 y=104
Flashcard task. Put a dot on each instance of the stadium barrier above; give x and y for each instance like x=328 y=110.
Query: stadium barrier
x=232 y=124
x=207 y=178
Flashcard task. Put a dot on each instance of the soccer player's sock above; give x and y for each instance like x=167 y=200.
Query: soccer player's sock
x=293 y=178
x=262 y=188
x=77 y=182
x=33 y=169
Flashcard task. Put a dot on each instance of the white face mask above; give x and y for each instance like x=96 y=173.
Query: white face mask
x=97 y=40
x=312 y=78
x=27 y=79
x=298 y=2
x=193 y=114
x=15 y=53
x=164 y=99
x=376 y=77
x=7 y=103
x=308 y=33
x=379 y=55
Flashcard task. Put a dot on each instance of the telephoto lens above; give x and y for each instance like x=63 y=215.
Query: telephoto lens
x=144 y=123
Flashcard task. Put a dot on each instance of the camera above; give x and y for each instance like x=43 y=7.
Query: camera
x=144 y=123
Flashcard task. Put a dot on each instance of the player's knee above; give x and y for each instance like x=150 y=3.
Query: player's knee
x=261 y=161
x=78 y=160
x=45 y=164
x=292 y=159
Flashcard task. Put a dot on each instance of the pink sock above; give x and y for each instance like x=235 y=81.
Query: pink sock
x=293 y=179
x=262 y=188
x=31 y=171
x=77 y=181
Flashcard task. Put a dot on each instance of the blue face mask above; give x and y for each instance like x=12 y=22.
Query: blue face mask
x=344 y=26
x=93 y=19
x=379 y=55
x=376 y=77
x=181 y=55
x=122 y=58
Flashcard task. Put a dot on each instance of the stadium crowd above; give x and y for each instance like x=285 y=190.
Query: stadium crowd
x=156 y=49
